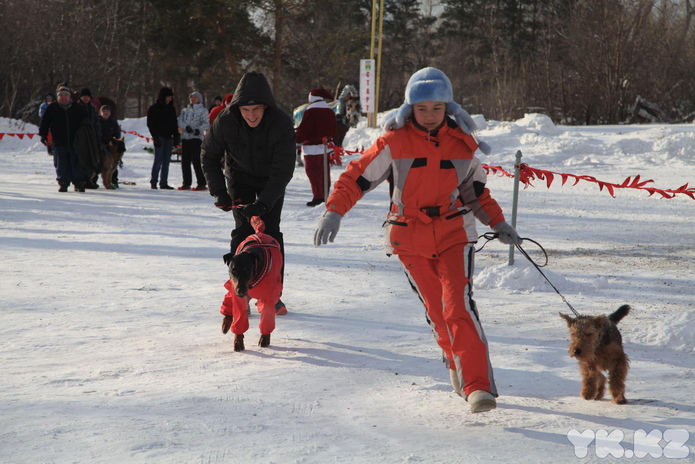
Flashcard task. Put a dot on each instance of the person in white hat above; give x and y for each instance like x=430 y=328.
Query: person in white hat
x=437 y=187
x=193 y=122
x=318 y=123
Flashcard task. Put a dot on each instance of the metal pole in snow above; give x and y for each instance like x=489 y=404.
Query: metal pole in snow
x=515 y=200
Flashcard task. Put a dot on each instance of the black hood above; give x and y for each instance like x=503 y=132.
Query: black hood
x=253 y=89
x=165 y=92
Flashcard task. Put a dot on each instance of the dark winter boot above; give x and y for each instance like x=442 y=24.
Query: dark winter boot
x=315 y=202
x=63 y=187
x=264 y=342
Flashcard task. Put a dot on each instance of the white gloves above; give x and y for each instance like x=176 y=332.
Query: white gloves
x=327 y=228
x=507 y=234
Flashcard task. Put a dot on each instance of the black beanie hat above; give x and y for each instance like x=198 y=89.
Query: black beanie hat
x=85 y=92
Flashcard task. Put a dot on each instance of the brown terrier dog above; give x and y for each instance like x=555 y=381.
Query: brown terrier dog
x=596 y=343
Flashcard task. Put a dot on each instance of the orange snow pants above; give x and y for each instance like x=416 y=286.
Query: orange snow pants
x=238 y=307
x=444 y=286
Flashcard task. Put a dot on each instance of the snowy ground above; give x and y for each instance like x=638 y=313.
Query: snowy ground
x=112 y=350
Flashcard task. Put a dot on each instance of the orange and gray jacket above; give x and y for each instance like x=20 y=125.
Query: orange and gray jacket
x=437 y=188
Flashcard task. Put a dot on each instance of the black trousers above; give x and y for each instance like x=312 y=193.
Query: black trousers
x=190 y=153
x=246 y=194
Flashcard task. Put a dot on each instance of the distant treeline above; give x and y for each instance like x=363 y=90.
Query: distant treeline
x=579 y=61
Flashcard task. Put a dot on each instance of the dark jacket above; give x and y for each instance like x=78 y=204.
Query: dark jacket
x=109 y=130
x=87 y=146
x=62 y=123
x=262 y=157
x=161 y=118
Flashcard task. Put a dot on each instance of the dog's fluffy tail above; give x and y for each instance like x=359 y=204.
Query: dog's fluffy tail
x=619 y=314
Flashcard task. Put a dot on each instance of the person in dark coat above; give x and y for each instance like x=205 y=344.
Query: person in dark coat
x=61 y=120
x=256 y=142
x=164 y=128
x=87 y=140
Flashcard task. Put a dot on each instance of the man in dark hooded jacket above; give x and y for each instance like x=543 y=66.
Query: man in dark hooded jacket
x=248 y=155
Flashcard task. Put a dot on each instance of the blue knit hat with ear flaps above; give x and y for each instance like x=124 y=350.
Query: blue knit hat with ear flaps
x=431 y=84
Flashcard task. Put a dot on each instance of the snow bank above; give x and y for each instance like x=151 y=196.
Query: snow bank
x=676 y=331
x=522 y=277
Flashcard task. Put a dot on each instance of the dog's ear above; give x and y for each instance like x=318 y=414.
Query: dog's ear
x=568 y=319
x=228 y=258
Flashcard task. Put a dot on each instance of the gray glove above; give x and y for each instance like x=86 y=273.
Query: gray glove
x=507 y=234
x=327 y=228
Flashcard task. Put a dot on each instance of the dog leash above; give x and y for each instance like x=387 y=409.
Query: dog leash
x=489 y=236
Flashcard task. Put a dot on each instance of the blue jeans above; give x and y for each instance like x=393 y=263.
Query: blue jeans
x=67 y=166
x=162 y=158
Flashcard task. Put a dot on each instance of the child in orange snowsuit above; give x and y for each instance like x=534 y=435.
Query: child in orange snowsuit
x=437 y=191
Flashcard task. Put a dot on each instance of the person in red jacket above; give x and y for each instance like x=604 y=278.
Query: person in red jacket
x=437 y=191
x=317 y=123
x=216 y=110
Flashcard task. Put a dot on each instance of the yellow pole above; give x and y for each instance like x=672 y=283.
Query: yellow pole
x=378 y=63
x=372 y=116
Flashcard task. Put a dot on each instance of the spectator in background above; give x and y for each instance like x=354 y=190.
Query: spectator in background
x=60 y=120
x=163 y=126
x=87 y=139
x=47 y=100
x=317 y=123
x=194 y=122
x=349 y=113
x=217 y=101
x=219 y=108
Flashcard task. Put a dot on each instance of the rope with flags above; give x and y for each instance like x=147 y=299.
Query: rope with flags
x=32 y=135
x=529 y=174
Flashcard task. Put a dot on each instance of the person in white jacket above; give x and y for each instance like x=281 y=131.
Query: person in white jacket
x=193 y=123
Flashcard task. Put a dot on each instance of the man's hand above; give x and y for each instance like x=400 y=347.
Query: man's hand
x=254 y=209
x=224 y=202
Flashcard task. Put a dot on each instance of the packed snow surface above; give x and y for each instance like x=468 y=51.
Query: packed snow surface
x=112 y=350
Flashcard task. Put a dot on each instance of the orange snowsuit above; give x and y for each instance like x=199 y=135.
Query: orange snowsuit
x=437 y=189
x=267 y=288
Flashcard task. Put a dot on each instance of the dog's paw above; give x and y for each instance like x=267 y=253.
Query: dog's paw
x=264 y=342
x=239 y=342
x=227 y=323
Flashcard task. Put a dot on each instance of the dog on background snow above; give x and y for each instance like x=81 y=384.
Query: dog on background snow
x=255 y=271
x=596 y=343
x=110 y=158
